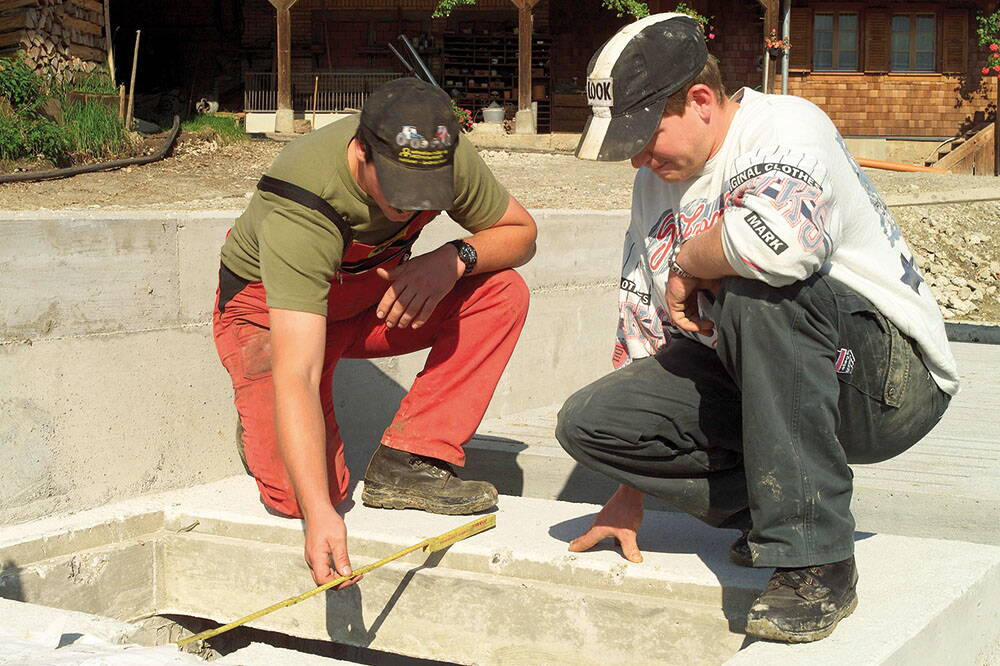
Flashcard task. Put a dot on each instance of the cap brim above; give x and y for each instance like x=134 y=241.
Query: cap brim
x=415 y=189
x=613 y=139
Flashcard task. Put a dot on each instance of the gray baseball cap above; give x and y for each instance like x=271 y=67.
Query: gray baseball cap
x=630 y=78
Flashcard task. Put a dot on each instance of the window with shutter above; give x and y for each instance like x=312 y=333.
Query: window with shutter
x=955 y=41
x=800 y=34
x=877 y=36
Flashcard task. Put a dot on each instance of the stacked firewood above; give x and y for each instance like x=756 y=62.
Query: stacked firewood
x=62 y=36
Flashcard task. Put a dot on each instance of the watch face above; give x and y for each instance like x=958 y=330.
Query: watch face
x=467 y=254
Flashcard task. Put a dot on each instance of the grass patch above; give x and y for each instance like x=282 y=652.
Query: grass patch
x=95 y=129
x=227 y=128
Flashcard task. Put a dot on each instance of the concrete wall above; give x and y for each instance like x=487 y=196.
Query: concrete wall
x=109 y=382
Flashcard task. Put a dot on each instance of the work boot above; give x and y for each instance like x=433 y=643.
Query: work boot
x=401 y=480
x=804 y=604
x=739 y=551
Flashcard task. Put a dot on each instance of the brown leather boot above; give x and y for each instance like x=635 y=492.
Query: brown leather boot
x=402 y=480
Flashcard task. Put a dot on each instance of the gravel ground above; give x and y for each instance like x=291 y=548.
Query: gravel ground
x=957 y=245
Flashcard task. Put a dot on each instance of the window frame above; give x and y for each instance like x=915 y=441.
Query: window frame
x=836 y=12
x=913 y=15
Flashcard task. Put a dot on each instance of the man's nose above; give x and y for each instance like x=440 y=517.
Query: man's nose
x=640 y=159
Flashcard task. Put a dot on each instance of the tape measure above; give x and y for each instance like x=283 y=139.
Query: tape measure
x=439 y=542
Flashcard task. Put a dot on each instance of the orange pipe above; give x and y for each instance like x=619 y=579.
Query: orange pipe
x=897 y=166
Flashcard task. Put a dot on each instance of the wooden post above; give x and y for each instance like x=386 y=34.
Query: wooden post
x=121 y=103
x=525 y=27
x=996 y=134
x=284 y=120
x=770 y=23
x=315 y=92
x=107 y=40
x=131 y=90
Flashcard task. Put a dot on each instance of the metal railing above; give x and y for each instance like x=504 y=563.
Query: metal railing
x=336 y=90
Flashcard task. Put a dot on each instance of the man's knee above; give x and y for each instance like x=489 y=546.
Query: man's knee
x=573 y=429
x=511 y=285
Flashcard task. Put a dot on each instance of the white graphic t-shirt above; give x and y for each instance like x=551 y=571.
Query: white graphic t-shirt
x=793 y=201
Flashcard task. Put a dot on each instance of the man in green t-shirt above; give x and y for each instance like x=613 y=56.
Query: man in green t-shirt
x=318 y=268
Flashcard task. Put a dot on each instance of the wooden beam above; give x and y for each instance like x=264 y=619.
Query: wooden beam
x=525 y=28
x=772 y=9
x=90 y=5
x=283 y=16
x=14 y=22
x=81 y=25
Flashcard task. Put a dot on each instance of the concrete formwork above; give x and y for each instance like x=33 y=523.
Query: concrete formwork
x=512 y=595
x=111 y=382
x=112 y=390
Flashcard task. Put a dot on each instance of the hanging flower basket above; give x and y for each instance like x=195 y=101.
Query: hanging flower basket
x=776 y=46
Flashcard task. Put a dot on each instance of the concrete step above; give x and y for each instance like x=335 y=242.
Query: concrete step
x=512 y=595
x=947 y=486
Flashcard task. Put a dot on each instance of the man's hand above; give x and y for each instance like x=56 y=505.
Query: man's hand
x=620 y=518
x=417 y=286
x=682 y=303
x=326 y=541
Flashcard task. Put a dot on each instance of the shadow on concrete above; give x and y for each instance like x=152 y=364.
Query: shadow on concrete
x=344 y=616
x=10 y=581
x=678 y=533
x=365 y=401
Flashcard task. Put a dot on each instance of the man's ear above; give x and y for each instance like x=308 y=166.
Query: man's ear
x=704 y=100
x=359 y=152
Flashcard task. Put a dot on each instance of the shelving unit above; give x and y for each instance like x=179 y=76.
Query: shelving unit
x=481 y=68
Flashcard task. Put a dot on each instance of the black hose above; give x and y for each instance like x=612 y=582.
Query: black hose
x=100 y=166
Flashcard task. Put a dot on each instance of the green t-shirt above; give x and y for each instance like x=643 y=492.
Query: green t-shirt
x=296 y=251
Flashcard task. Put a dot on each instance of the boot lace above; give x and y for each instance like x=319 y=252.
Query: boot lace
x=417 y=461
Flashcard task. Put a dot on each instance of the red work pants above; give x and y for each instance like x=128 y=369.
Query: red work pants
x=471 y=336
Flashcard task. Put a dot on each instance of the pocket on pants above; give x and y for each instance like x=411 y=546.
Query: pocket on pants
x=255 y=349
x=864 y=353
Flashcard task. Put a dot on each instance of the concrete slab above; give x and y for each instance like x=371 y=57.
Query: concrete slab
x=684 y=604
x=947 y=486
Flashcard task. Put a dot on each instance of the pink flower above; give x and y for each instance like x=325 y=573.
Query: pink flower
x=986 y=70
x=994 y=47
x=996 y=68
x=711 y=35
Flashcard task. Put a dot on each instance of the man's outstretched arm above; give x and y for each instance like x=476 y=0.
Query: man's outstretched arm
x=298 y=345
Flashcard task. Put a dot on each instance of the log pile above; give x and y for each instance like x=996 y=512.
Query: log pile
x=62 y=36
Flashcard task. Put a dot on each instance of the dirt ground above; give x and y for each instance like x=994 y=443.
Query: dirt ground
x=957 y=245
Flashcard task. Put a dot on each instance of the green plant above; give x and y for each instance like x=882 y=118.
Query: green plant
x=463 y=116
x=44 y=137
x=19 y=83
x=226 y=128
x=634 y=8
x=95 y=82
x=95 y=128
x=988 y=31
x=11 y=138
x=705 y=21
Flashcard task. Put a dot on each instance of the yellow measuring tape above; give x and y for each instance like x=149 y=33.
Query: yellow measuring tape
x=430 y=545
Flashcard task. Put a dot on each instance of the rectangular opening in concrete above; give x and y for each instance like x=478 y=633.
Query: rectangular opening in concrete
x=171 y=564
x=482 y=603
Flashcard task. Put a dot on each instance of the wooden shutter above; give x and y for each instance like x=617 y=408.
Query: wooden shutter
x=800 y=34
x=878 y=40
x=955 y=41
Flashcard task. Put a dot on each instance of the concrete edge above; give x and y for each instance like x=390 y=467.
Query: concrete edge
x=967 y=331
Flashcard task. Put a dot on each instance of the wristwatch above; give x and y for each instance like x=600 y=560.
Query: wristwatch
x=466 y=253
x=676 y=268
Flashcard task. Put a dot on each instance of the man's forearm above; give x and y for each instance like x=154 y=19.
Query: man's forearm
x=502 y=247
x=703 y=255
x=301 y=433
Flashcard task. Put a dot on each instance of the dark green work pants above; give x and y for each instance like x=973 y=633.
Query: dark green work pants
x=805 y=379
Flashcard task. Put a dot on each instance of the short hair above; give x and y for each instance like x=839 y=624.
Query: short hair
x=709 y=76
x=366 y=148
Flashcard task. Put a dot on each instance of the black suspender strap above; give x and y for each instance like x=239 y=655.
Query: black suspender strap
x=300 y=195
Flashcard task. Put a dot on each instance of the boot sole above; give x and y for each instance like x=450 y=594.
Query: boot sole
x=384 y=497
x=764 y=628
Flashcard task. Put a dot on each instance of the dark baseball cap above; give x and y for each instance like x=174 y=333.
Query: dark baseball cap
x=630 y=78
x=413 y=134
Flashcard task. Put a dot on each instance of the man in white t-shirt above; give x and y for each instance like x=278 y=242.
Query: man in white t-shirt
x=773 y=325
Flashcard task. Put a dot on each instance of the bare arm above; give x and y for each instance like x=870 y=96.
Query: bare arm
x=298 y=345
x=418 y=285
